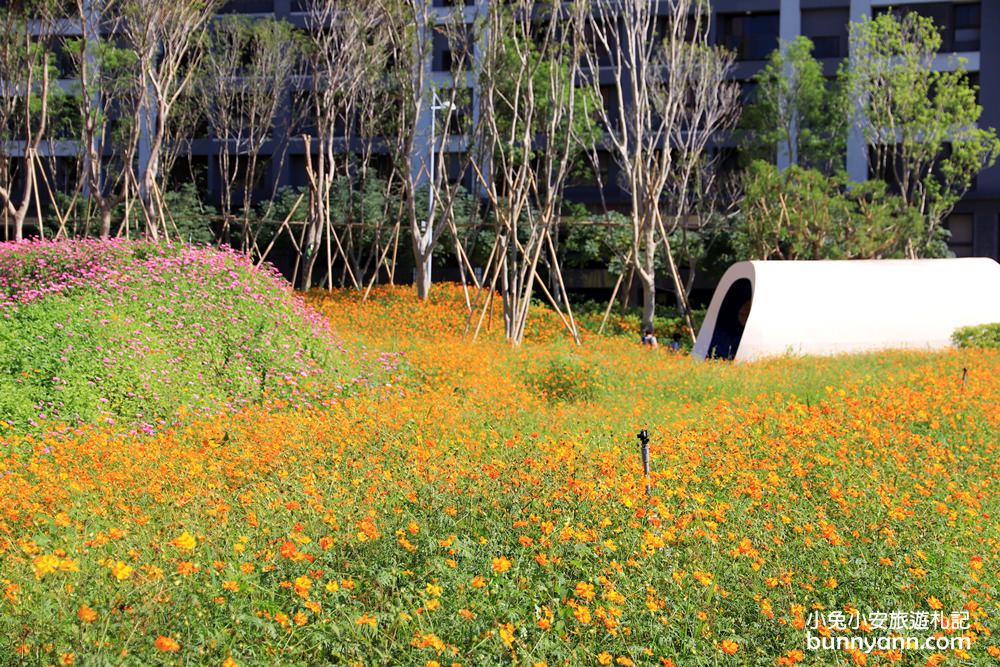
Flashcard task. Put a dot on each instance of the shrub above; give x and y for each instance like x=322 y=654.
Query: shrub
x=566 y=378
x=983 y=335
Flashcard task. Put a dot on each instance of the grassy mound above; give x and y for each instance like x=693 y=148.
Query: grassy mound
x=136 y=332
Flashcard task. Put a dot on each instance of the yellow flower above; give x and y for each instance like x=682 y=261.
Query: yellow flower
x=507 y=634
x=604 y=658
x=45 y=564
x=120 y=571
x=184 y=541
x=729 y=646
x=302 y=586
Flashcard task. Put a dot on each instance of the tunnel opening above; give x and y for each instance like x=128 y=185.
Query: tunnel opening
x=732 y=320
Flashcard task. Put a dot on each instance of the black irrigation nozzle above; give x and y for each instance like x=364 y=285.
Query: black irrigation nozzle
x=643 y=437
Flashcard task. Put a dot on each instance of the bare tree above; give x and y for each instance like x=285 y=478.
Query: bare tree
x=345 y=56
x=532 y=125
x=248 y=70
x=107 y=86
x=653 y=54
x=25 y=54
x=410 y=25
x=166 y=37
x=696 y=101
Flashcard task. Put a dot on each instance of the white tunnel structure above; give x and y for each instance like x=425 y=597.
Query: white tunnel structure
x=833 y=307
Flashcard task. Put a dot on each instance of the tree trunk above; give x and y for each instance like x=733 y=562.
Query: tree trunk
x=21 y=213
x=423 y=259
x=648 y=299
x=105 y=230
x=647 y=276
x=423 y=277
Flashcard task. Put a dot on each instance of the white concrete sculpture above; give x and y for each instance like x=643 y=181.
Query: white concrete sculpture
x=832 y=307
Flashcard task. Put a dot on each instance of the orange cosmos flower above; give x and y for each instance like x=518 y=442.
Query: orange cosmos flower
x=584 y=591
x=501 y=564
x=166 y=644
x=288 y=549
x=86 y=614
x=729 y=646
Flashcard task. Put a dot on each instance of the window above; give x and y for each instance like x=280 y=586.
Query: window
x=961 y=227
x=827 y=28
x=748 y=92
x=751 y=36
x=959 y=23
x=248 y=7
x=448 y=50
x=967 y=23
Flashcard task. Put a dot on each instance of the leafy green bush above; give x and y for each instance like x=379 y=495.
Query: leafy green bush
x=667 y=322
x=982 y=335
x=566 y=378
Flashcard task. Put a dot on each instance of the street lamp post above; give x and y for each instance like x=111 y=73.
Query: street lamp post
x=437 y=104
x=427 y=231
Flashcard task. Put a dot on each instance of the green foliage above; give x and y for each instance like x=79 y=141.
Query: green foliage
x=804 y=214
x=604 y=240
x=920 y=121
x=550 y=68
x=982 y=336
x=667 y=321
x=187 y=215
x=565 y=377
x=794 y=107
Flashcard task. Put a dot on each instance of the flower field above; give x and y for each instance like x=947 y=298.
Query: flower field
x=466 y=503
